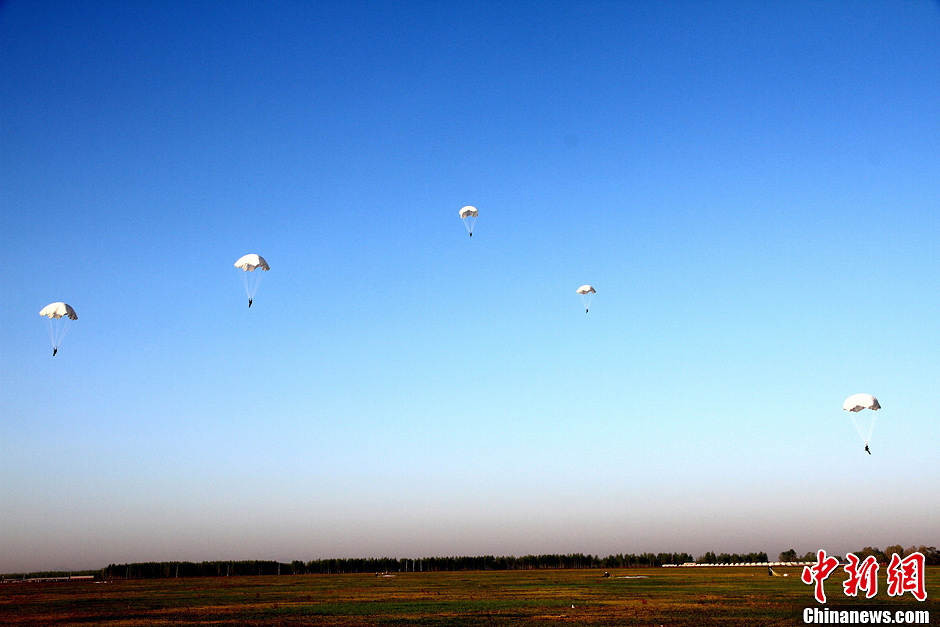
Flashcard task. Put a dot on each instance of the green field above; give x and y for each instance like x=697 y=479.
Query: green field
x=666 y=596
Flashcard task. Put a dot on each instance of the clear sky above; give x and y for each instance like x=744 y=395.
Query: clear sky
x=753 y=189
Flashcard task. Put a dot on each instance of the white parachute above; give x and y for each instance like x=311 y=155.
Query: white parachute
x=469 y=216
x=586 y=292
x=864 y=423
x=250 y=263
x=59 y=315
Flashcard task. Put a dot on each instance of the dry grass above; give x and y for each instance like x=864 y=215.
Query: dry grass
x=669 y=596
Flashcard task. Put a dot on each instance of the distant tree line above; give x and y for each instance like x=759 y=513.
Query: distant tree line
x=158 y=570
x=930 y=553
x=162 y=570
x=243 y=568
x=490 y=562
x=732 y=558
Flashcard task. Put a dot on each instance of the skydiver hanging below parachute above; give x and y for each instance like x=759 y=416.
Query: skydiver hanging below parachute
x=469 y=216
x=58 y=314
x=586 y=292
x=855 y=404
x=250 y=263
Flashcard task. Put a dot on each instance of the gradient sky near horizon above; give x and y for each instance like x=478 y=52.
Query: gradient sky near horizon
x=753 y=189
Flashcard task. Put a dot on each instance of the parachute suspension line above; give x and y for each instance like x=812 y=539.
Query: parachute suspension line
x=256 y=281
x=58 y=328
x=252 y=281
x=63 y=329
x=858 y=428
x=586 y=301
x=866 y=437
x=871 y=427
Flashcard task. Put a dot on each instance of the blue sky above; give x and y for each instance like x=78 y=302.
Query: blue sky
x=752 y=188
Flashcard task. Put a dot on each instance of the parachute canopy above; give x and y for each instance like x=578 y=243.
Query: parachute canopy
x=858 y=402
x=249 y=263
x=586 y=289
x=469 y=216
x=55 y=311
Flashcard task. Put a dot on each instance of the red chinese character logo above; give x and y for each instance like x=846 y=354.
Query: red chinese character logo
x=864 y=577
x=907 y=575
x=819 y=572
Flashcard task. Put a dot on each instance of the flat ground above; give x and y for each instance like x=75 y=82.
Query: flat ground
x=662 y=596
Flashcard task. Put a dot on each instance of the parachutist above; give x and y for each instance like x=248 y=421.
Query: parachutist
x=54 y=351
x=249 y=303
x=866 y=449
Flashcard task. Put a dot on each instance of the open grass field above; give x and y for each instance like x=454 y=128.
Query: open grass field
x=658 y=596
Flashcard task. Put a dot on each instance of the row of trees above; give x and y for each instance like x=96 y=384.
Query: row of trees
x=161 y=570
x=732 y=558
x=461 y=563
x=490 y=562
x=791 y=556
x=156 y=570
x=931 y=554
